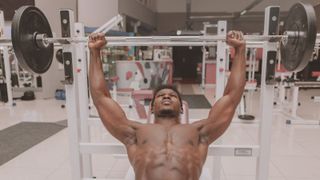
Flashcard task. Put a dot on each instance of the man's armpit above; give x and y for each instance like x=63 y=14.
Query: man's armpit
x=130 y=136
x=203 y=138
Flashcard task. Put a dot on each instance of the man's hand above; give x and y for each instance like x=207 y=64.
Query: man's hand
x=96 y=41
x=235 y=39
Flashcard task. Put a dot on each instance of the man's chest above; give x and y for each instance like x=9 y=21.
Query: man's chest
x=176 y=135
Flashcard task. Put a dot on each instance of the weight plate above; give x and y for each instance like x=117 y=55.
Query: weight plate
x=28 y=21
x=296 y=52
x=59 y=56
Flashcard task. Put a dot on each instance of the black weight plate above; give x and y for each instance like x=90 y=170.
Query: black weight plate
x=27 y=22
x=59 y=56
x=297 y=52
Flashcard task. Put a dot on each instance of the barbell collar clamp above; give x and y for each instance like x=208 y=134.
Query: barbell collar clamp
x=41 y=40
x=293 y=34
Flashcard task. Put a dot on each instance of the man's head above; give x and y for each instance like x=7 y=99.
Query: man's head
x=166 y=102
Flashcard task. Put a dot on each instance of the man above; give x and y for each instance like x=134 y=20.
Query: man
x=166 y=149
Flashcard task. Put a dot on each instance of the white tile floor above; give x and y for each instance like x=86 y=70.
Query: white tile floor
x=295 y=149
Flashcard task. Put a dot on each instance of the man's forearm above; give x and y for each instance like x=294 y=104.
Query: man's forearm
x=236 y=82
x=98 y=84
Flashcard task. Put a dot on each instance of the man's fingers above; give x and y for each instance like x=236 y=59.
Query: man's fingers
x=238 y=35
x=92 y=37
x=101 y=38
x=97 y=40
x=96 y=36
x=234 y=43
x=233 y=34
x=101 y=35
x=235 y=38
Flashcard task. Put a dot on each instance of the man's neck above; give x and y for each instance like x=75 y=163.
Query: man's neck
x=167 y=121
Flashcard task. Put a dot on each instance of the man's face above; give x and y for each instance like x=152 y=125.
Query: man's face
x=166 y=104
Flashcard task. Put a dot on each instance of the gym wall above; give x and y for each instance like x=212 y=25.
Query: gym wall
x=9 y=6
x=95 y=13
x=251 y=22
x=178 y=21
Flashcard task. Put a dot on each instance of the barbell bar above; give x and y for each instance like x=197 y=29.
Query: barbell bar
x=42 y=40
x=33 y=42
x=138 y=39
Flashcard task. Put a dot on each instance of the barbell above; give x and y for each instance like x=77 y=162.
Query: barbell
x=33 y=42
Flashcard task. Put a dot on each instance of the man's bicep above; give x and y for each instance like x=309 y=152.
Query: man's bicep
x=218 y=120
x=115 y=120
x=221 y=107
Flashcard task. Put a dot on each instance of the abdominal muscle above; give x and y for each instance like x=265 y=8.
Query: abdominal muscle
x=170 y=163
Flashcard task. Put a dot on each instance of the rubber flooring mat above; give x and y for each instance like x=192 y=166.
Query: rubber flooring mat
x=196 y=101
x=18 y=138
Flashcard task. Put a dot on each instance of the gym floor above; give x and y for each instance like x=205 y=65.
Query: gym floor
x=294 y=148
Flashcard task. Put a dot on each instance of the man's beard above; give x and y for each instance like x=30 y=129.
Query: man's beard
x=169 y=113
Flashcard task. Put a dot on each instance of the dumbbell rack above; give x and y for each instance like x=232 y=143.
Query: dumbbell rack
x=75 y=65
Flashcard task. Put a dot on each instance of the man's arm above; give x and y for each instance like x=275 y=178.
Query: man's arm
x=222 y=112
x=111 y=114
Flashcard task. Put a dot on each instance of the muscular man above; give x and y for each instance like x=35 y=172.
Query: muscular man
x=166 y=149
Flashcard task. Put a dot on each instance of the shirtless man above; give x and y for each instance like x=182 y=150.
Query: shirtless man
x=166 y=149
